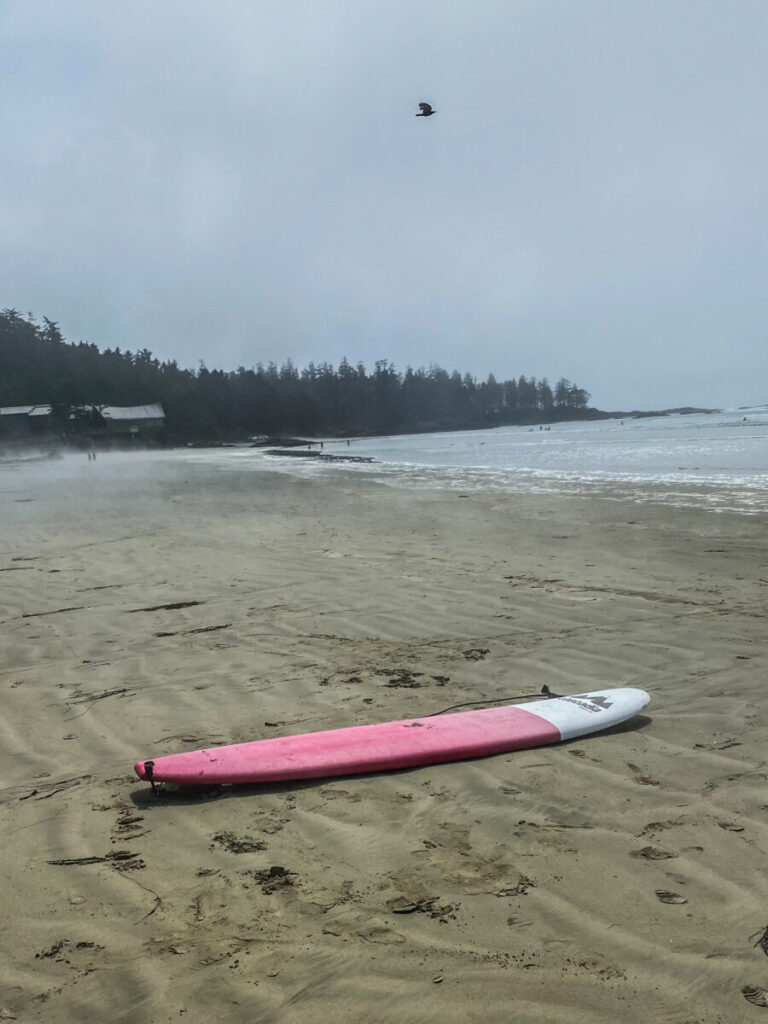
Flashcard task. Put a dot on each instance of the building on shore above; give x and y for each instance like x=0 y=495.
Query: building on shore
x=18 y=422
x=29 y=422
x=132 y=419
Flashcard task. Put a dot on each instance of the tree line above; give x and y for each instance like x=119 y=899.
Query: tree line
x=37 y=366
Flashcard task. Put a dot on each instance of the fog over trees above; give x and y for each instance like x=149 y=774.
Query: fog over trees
x=38 y=366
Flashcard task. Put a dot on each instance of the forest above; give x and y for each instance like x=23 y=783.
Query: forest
x=38 y=366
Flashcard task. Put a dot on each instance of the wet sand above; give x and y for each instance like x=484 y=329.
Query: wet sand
x=156 y=605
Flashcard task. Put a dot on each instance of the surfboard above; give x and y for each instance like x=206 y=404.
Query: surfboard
x=403 y=744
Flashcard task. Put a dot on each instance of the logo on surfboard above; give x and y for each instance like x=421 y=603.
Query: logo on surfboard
x=590 y=703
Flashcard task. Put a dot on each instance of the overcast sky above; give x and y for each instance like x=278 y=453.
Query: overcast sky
x=245 y=181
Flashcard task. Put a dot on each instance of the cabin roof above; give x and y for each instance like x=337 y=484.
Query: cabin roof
x=132 y=412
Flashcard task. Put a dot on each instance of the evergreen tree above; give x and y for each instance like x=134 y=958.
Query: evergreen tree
x=37 y=366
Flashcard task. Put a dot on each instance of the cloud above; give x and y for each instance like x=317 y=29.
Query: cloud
x=247 y=182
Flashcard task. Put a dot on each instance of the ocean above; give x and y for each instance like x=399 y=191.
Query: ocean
x=716 y=460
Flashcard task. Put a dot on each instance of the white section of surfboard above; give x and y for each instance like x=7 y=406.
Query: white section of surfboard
x=583 y=713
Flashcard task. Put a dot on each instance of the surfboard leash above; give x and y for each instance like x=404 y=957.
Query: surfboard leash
x=545 y=694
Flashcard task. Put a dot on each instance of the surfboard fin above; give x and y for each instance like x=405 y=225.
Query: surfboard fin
x=149 y=771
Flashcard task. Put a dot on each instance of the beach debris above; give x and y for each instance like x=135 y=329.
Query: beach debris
x=121 y=860
x=476 y=653
x=274 y=878
x=723 y=745
x=165 y=607
x=653 y=853
x=85 y=698
x=730 y=826
x=54 y=950
x=235 y=844
x=670 y=897
x=754 y=994
x=56 y=611
x=762 y=940
x=200 y=629
x=62 y=949
x=428 y=905
x=401 y=678
x=521 y=889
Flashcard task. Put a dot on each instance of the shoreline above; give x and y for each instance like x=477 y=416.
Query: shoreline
x=526 y=882
x=77 y=443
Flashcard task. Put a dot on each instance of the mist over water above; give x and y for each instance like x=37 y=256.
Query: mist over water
x=119 y=490
x=716 y=461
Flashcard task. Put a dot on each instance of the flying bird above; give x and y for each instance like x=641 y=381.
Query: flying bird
x=426 y=110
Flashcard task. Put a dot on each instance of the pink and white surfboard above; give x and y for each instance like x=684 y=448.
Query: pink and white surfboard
x=403 y=744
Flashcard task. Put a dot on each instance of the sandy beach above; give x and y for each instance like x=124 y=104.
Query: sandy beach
x=157 y=604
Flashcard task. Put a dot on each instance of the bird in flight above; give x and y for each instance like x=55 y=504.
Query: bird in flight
x=426 y=110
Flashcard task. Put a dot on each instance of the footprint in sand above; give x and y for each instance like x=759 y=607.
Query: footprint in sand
x=756 y=995
x=653 y=853
x=658 y=826
x=670 y=897
x=641 y=777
